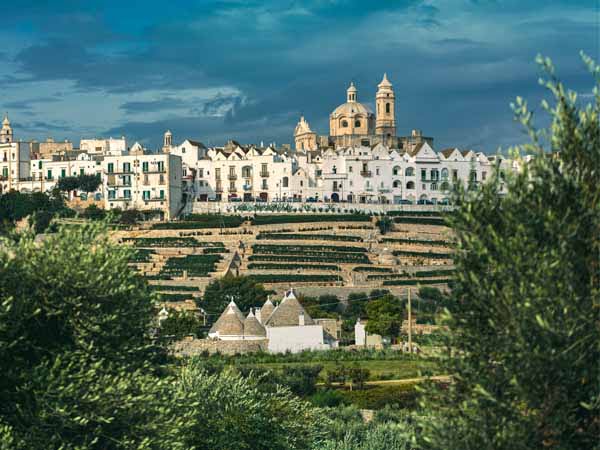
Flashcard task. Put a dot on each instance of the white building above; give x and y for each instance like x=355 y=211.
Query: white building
x=143 y=181
x=109 y=147
x=14 y=159
x=286 y=327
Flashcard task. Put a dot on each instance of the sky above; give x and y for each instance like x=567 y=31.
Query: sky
x=213 y=70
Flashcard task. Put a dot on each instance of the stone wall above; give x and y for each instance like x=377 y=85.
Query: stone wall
x=191 y=346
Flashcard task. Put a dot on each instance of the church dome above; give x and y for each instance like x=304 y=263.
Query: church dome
x=350 y=109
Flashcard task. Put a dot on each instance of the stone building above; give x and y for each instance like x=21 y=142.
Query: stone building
x=285 y=327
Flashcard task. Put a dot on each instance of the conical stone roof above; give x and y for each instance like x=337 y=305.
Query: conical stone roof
x=288 y=312
x=266 y=311
x=239 y=314
x=230 y=324
x=252 y=326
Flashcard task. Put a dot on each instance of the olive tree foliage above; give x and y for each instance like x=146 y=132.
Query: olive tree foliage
x=75 y=352
x=524 y=321
x=225 y=411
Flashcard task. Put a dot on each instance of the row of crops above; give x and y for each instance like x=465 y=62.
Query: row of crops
x=191 y=265
x=292 y=278
x=308 y=237
x=430 y=242
x=297 y=266
x=428 y=255
x=171 y=242
x=421 y=274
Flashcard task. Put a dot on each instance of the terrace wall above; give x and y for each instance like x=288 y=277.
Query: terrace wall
x=192 y=346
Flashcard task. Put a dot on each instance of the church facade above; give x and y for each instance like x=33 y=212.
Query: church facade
x=354 y=124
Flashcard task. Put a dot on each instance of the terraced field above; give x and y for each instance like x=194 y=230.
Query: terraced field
x=346 y=252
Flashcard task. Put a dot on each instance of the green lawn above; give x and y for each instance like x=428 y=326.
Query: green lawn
x=379 y=369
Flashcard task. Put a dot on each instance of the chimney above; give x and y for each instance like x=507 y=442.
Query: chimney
x=301 y=319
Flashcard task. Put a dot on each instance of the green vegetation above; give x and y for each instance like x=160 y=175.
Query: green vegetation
x=278 y=249
x=165 y=287
x=309 y=253
x=431 y=242
x=195 y=221
x=179 y=324
x=244 y=291
x=429 y=254
x=329 y=257
x=525 y=312
x=39 y=207
x=141 y=255
x=297 y=266
x=306 y=237
x=194 y=265
x=288 y=278
x=83 y=182
x=372 y=269
x=413 y=282
x=164 y=242
x=421 y=220
x=301 y=218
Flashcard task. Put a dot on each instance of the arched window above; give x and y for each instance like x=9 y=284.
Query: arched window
x=396 y=170
x=409 y=172
x=444 y=174
x=357 y=124
x=387 y=108
x=344 y=124
x=444 y=186
x=410 y=185
x=396 y=183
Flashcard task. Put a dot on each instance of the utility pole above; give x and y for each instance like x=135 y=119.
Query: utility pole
x=409 y=324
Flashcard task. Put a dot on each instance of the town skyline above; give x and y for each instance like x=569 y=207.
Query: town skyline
x=73 y=80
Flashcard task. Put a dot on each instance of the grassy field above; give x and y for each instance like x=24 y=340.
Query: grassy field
x=379 y=369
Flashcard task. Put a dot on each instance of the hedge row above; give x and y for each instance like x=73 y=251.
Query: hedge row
x=286 y=278
x=429 y=255
x=312 y=237
x=163 y=242
x=415 y=281
x=340 y=258
x=290 y=248
x=174 y=297
x=372 y=269
x=432 y=242
x=195 y=265
x=141 y=255
x=416 y=213
x=163 y=287
x=301 y=218
x=434 y=273
x=293 y=266
x=421 y=220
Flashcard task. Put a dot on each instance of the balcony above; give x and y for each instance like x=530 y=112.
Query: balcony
x=369 y=189
x=159 y=170
x=384 y=190
x=366 y=173
x=247 y=187
x=264 y=174
x=232 y=177
x=155 y=199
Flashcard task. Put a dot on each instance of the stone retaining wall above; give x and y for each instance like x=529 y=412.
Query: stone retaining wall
x=192 y=346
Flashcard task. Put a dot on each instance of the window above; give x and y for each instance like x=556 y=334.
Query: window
x=444 y=186
x=301 y=183
x=377 y=171
x=344 y=124
x=247 y=172
x=396 y=183
x=5 y=172
x=145 y=166
x=434 y=186
x=334 y=170
x=110 y=168
x=444 y=174
x=318 y=172
x=161 y=179
x=161 y=194
x=396 y=170
x=387 y=108
x=112 y=195
x=161 y=166
x=63 y=173
x=435 y=174
x=232 y=171
x=365 y=142
x=264 y=184
x=39 y=165
x=184 y=172
x=200 y=173
x=409 y=172
x=286 y=182
x=264 y=169
x=357 y=123
x=49 y=175
x=126 y=193
x=473 y=175
x=146 y=195
x=182 y=149
x=423 y=174
x=350 y=169
x=126 y=167
x=81 y=171
x=454 y=175
x=232 y=185
x=483 y=175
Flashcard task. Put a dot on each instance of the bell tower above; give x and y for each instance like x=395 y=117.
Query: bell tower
x=6 y=133
x=167 y=141
x=385 y=123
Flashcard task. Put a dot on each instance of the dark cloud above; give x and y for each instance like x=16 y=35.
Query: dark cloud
x=287 y=58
